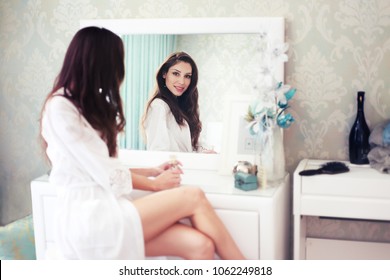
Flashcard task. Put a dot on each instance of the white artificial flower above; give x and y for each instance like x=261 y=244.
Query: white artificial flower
x=280 y=94
x=270 y=98
x=277 y=52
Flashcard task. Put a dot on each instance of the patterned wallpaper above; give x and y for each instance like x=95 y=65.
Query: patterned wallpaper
x=336 y=48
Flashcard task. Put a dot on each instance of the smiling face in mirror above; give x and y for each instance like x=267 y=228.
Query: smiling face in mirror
x=178 y=78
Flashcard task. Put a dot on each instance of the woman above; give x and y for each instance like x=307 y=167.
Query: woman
x=171 y=120
x=97 y=218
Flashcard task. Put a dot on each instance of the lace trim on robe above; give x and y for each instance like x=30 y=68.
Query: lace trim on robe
x=120 y=181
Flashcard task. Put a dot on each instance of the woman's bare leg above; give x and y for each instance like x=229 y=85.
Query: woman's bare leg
x=181 y=241
x=161 y=210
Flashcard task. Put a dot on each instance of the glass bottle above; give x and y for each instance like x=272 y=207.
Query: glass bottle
x=358 y=137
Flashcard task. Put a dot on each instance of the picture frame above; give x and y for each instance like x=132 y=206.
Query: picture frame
x=237 y=143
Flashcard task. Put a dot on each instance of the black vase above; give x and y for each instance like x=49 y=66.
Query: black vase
x=359 y=135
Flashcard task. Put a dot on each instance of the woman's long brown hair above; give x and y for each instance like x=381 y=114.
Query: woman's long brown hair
x=91 y=74
x=184 y=107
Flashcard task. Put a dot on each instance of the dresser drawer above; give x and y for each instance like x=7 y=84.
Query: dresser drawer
x=243 y=226
x=333 y=249
x=362 y=193
x=358 y=182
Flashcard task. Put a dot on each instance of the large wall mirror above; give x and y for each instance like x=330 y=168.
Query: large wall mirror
x=224 y=49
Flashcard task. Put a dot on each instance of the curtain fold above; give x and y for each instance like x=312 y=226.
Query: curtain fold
x=143 y=55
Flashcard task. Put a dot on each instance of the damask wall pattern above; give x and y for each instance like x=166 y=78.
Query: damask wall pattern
x=336 y=49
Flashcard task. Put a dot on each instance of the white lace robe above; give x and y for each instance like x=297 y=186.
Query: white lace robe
x=96 y=218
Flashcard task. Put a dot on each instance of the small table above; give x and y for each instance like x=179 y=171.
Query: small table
x=361 y=193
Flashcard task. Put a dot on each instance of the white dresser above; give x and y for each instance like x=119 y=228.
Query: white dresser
x=258 y=220
x=360 y=194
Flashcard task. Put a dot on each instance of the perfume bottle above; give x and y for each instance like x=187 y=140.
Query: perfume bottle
x=173 y=163
x=359 y=135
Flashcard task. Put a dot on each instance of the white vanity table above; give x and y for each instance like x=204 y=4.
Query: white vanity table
x=362 y=193
x=258 y=220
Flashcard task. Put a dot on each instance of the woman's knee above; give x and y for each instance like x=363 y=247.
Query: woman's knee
x=195 y=195
x=203 y=248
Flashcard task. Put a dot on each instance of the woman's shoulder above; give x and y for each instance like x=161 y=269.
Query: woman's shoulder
x=58 y=102
x=158 y=103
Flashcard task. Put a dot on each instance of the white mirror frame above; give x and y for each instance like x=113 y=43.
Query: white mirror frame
x=273 y=26
x=190 y=25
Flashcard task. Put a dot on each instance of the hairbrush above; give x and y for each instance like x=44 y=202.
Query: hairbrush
x=333 y=167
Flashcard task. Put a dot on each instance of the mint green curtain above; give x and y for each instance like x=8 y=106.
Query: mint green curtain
x=143 y=56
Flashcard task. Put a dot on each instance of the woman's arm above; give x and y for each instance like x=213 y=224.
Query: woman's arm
x=155 y=171
x=148 y=172
x=156 y=126
x=69 y=133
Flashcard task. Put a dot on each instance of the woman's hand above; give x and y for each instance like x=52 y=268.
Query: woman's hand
x=203 y=150
x=156 y=171
x=208 y=151
x=170 y=178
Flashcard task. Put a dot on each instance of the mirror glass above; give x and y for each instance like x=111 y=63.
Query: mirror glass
x=225 y=64
x=225 y=52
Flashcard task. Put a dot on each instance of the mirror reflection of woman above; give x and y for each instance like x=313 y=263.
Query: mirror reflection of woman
x=97 y=216
x=171 y=121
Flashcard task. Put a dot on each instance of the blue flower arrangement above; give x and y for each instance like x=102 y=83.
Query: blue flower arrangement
x=272 y=96
x=267 y=112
